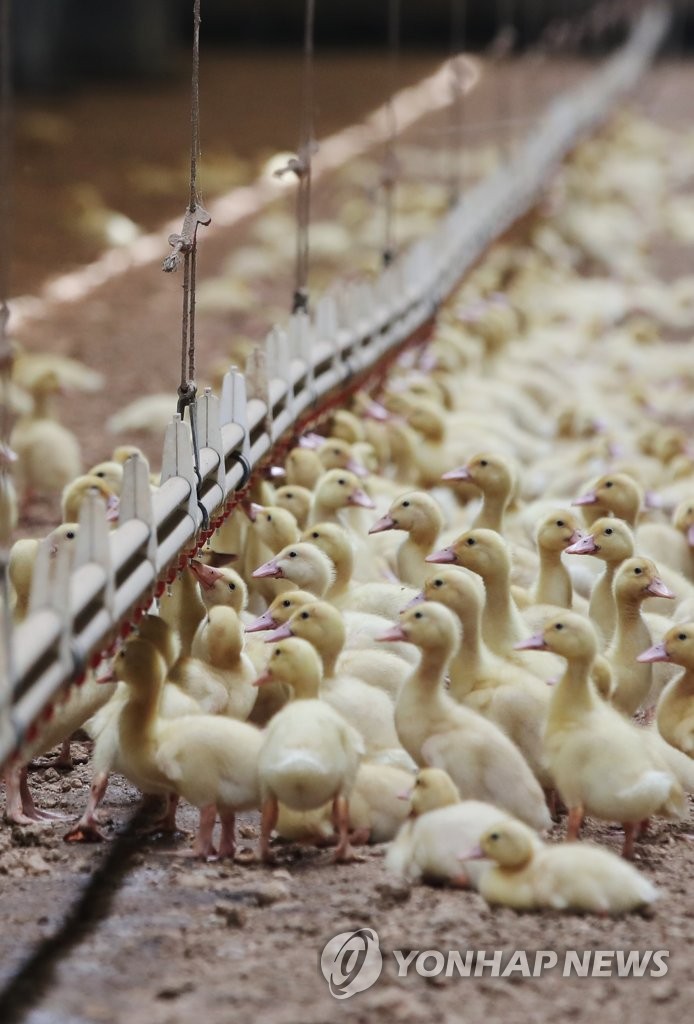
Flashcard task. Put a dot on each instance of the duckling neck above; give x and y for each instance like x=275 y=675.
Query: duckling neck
x=307 y=689
x=502 y=625
x=602 y=609
x=44 y=406
x=472 y=660
x=491 y=515
x=344 y=566
x=554 y=582
x=141 y=709
x=330 y=651
x=432 y=667
x=685 y=683
x=574 y=693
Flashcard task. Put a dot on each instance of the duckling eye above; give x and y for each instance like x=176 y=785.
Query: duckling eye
x=100 y=474
x=681 y=636
x=560 y=522
x=290 y=495
x=232 y=586
x=286 y=604
x=292 y=554
x=609 y=483
x=471 y=541
x=417 y=615
x=269 y=519
x=638 y=571
x=494 y=836
x=609 y=531
x=689 y=511
x=305 y=615
x=438 y=583
x=483 y=462
x=336 y=451
x=315 y=535
x=341 y=483
x=559 y=625
x=405 y=504
x=70 y=535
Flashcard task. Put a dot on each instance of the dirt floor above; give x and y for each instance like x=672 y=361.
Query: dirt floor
x=126 y=932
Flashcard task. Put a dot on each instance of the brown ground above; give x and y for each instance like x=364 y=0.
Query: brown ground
x=126 y=933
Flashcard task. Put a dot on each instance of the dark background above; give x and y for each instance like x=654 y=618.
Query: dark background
x=58 y=43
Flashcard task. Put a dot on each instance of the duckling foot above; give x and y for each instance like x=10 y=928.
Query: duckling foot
x=268 y=820
x=631 y=829
x=360 y=836
x=575 y=822
x=20 y=809
x=84 y=832
x=346 y=854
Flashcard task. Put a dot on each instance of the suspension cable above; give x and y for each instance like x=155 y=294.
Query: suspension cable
x=390 y=162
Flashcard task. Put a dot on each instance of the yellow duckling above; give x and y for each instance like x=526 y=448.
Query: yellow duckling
x=364 y=704
x=303 y=468
x=614 y=494
x=302 y=564
x=555 y=532
x=297 y=500
x=210 y=761
x=635 y=580
x=602 y=764
x=310 y=754
x=420 y=516
x=438 y=732
x=23 y=558
x=495 y=477
x=528 y=874
x=675 y=712
x=440 y=825
x=338 y=489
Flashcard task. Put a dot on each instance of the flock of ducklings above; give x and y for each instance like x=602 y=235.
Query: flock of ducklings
x=458 y=612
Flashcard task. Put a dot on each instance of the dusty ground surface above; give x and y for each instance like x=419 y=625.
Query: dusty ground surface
x=126 y=932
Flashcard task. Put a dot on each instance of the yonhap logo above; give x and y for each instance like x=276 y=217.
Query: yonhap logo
x=351 y=962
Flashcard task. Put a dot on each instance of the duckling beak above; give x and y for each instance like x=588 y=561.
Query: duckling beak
x=574 y=538
x=474 y=853
x=653 y=500
x=251 y=508
x=655 y=653
x=536 y=642
x=690 y=536
x=375 y=411
x=311 y=440
x=112 y=508
x=263 y=678
x=442 y=557
x=206 y=575
x=461 y=473
x=405 y=795
x=354 y=466
x=584 y=546
x=658 y=589
x=386 y=522
x=419 y=598
x=279 y=634
x=590 y=498
x=108 y=677
x=394 y=633
x=275 y=472
x=361 y=499
x=265 y=621
x=270 y=569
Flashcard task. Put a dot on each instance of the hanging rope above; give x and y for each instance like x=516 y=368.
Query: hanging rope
x=184 y=247
x=300 y=165
x=390 y=163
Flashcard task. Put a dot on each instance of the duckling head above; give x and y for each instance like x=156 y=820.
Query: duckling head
x=683 y=519
x=274 y=525
x=492 y=474
x=221 y=638
x=430 y=626
x=296 y=662
x=617 y=493
x=220 y=585
x=482 y=551
x=558 y=530
x=75 y=492
x=320 y=623
x=111 y=472
x=281 y=610
x=412 y=512
x=303 y=467
x=295 y=499
x=332 y=541
x=676 y=646
x=510 y=843
x=637 y=578
x=570 y=636
x=347 y=426
x=160 y=635
x=433 y=788
x=456 y=588
x=304 y=564
x=140 y=665
x=336 y=453
x=338 y=488
x=610 y=539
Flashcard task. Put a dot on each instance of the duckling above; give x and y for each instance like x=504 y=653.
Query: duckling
x=218 y=663
x=310 y=754
x=336 y=490
x=303 y=468
x=439 y=826
x=74 y=493
x=527 y=874
x=675 y=711
x=614 y=494
x=48 y=455
x=612 y=542
x=362 y=704
x=635 y=580
x=111 y=472
x=555 y=532
x=303 y=565
x=495 y=477
x=23 y=558
x=271 y=529
x=437 y=732
x=421 y=518
x=602 y=764
x=210 y=761
x=515 y=700
x=672 y=544
x=297 y=500
x=336 y=453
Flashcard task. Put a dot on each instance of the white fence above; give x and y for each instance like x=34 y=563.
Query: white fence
x=77 y=609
